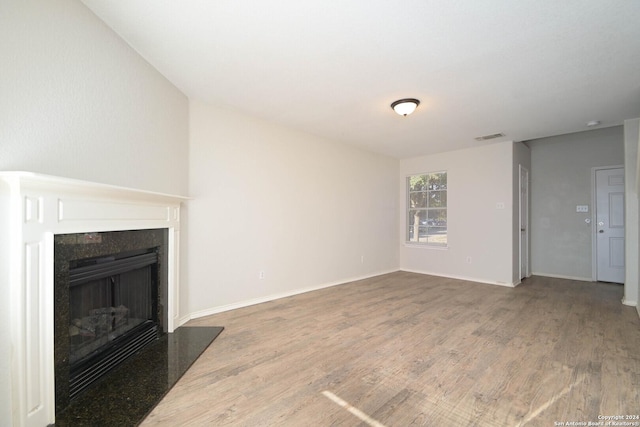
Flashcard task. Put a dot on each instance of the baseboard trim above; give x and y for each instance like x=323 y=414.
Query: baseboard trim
x=180 y=321
x=272 y=297
x=560 y=276
x=629 y=302
x=468 y=279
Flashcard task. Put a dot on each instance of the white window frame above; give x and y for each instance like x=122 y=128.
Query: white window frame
x=409 y=239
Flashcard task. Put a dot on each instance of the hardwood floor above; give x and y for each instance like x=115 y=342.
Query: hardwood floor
x=405 y=349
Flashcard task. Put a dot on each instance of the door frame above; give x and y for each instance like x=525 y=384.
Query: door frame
x=594 y=237
x=523 y=257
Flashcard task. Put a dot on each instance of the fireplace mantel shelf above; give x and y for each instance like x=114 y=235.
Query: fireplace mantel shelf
x=43 y=181
x=34 y=208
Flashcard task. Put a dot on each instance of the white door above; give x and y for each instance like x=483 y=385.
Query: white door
x=610 y=225
x=524 y=222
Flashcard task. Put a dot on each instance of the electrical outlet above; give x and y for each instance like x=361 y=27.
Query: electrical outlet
x=261 y=275
x=500 y=205
x=361 y=259
x=468 y=260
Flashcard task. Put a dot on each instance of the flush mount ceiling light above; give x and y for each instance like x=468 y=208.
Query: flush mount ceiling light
x=593 y=123
x=405 y=106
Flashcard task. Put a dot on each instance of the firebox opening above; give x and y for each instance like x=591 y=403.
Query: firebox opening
x=113 y=312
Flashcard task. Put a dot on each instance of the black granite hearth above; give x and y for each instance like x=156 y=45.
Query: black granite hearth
x=128 y=394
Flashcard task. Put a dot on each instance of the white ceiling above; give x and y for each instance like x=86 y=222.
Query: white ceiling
x=527 y=68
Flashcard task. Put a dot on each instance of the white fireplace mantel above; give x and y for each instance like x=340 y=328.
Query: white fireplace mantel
x=34 y=208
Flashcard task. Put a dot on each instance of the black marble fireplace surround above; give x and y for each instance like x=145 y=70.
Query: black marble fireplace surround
x=69 y=249
x=125 y=395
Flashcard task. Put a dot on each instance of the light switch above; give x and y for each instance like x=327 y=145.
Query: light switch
x=582 y=208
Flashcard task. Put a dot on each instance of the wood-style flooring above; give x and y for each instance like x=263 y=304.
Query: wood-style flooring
x=406 y=349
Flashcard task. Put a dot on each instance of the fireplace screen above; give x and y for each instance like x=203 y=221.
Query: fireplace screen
x=112 y=300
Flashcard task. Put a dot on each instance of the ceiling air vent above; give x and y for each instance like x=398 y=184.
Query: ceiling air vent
x=486 y=137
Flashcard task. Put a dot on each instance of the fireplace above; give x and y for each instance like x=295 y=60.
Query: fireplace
x=40 y=215
x=110 y=295
x=112 y=312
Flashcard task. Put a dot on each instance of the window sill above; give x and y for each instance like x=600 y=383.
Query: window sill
x=426 y=246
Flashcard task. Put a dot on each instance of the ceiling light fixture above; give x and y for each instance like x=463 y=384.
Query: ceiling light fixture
x=593 y=123
x=405 y=106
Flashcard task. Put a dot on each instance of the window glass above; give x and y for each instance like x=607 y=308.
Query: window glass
x=427 y=208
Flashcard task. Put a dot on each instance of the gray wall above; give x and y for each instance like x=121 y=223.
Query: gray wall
x=560 y=180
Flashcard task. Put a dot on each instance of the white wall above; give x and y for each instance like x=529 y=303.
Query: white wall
x=266 y=198
x=477 y=179
x=632 y=226
x=560 y=180
x=76 y=101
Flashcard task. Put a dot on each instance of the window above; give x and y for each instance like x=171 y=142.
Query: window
x=427 y=209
